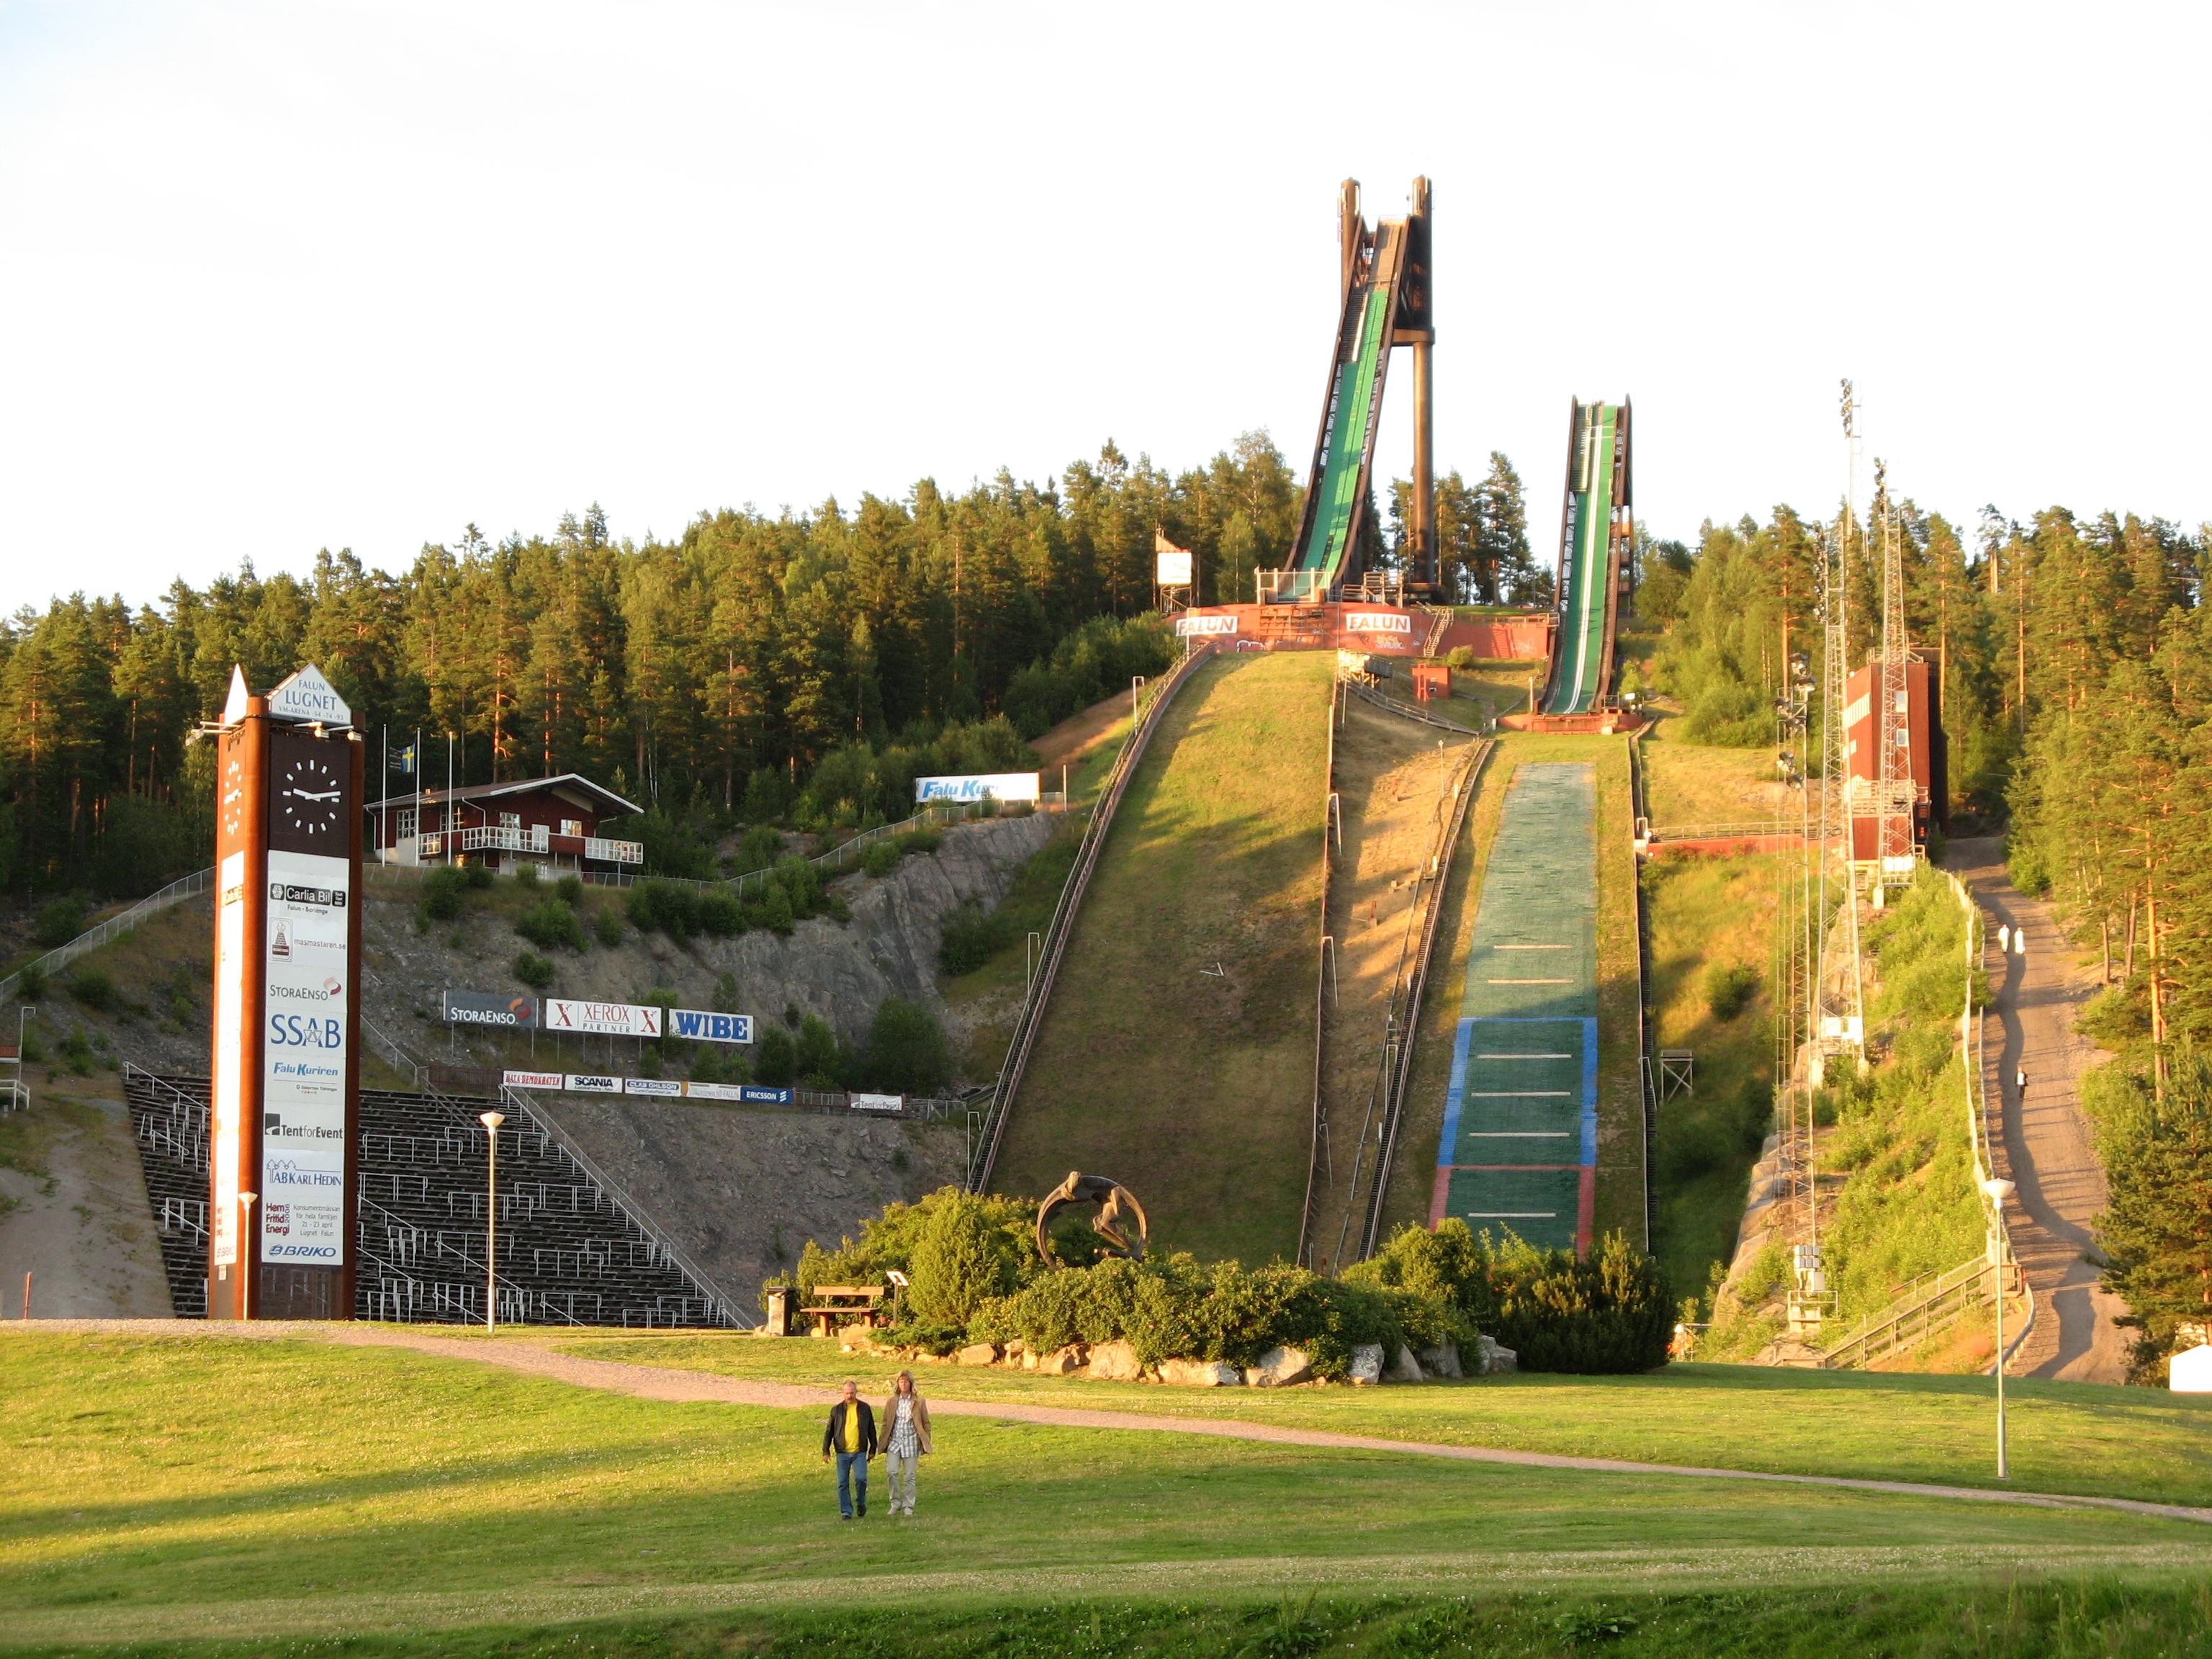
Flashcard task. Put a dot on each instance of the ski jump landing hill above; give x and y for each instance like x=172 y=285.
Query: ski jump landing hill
x=1174 y=1033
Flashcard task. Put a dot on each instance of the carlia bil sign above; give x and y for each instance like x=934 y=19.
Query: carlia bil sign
x=978 y=786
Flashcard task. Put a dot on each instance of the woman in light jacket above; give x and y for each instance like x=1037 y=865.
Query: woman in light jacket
x=905 y=1426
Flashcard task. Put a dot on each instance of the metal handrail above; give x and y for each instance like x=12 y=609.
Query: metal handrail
x=92 y=937
x=1155 y=698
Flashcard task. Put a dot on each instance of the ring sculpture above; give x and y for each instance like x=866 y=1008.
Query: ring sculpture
x=1117 y=1210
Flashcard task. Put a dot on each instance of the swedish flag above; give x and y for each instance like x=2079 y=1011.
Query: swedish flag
x=403 y=761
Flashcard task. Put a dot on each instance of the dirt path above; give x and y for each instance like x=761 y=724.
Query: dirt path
x=2044 y=1145
x=1067 y=743
x=73 y=1212
x=657 y=1382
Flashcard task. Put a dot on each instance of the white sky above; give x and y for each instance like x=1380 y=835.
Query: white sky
x=286 y=276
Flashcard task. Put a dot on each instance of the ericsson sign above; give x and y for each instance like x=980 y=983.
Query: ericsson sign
x=285 y=1114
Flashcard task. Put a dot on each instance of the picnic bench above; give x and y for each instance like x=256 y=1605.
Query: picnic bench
x=837 y=1303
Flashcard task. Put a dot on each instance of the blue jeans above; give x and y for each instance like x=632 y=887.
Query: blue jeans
x=851 y=1483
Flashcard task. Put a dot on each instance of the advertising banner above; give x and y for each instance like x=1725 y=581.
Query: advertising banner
x=602 y=1018
x=652 y=1085
x=593 y=1086
x=1172 y=568
x=1193 y=627
x=302 y=1207
x=877 y=1102
x=532 y=1079
x=702 y=1027
x=713 y=1091
x=477 y=1008
x=761 y=1095
x=998 y=786
x=1379 y=622
x=230 y=1052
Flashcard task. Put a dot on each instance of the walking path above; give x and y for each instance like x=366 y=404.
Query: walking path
x=2043 y=1144
x=657 y=1383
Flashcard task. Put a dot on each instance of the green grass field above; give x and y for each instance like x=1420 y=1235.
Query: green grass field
x=1703 y=913
x=1694 y=783
x=1193 y=1086
x=189 y=1492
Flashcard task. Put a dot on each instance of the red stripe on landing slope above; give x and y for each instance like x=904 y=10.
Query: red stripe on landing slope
x=1586 y=1211
x=1441 y=1197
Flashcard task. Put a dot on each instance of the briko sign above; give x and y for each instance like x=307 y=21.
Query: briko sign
x=1192 y=626
x=636 y=1019
x=478 y=1008
x=979 y=786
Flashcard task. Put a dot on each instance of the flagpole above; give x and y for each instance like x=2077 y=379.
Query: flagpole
x=383 y=793
x=448 y=845
x=418 y=769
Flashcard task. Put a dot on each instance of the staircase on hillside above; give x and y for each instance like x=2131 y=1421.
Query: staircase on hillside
x=1925 y=1307
x=570 y=1251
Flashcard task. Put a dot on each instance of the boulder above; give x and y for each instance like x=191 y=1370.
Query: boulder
x=977 y=1353
x=1200 y=1373
x=1404 y=1368
x=1442 y=1361
x=1030 y=1361
x=1115 y=1362
x=1366 y=1363
x=1495 y=1360
x=1013 y=1353
x=1279 y=1368
x=856 y=1339
x=1064 y=1361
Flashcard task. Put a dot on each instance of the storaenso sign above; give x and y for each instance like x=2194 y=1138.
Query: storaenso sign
x=477 y=1008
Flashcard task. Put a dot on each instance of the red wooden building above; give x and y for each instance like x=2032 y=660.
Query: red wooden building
x=557 y=823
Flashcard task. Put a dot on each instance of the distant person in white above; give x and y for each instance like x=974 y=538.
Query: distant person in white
x=906 y=1418
x=2004 y=940
x=2019 y=944
x=2019 y=1081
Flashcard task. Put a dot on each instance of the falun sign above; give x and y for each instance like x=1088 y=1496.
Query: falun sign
x=285 y=1103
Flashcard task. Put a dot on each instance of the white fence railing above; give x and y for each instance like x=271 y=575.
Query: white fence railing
x=122 y=923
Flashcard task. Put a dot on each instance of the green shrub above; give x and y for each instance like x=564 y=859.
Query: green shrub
x=665 y=907
x=477 y=876
x=1729 y=988
x=58 y=922
x=1610 y=1315
x=820 y=1062
x=776 y=1058
x=548 y=923
x=607 y=925
x=1459 y=656
x=921 y=841
x=880 y=859
x=526 y=876
x=444 y=894
x=31 y=983
x=971 y=937
x=569 y=889
x=956 y=1266
x=533 y=971
x=93 y=989
x=77 y=1051
x=773 y=912
x=906 y=1051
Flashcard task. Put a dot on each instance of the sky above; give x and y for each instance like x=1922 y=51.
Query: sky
x=278 y=278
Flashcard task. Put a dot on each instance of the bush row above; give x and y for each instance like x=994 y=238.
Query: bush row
x=974 y=1276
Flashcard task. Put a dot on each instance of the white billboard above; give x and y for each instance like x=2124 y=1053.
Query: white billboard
x=1173 y=568
x=1192 y=626
x=308 y=949
x=977 y=786
x=602 y=1018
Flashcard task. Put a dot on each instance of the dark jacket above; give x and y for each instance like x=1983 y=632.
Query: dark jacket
x=833 y=1434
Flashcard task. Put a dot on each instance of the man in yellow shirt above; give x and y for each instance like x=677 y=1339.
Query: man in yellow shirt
x=850 y=1434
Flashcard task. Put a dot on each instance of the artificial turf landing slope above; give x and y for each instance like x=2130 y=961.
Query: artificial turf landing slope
x=1176 y=1055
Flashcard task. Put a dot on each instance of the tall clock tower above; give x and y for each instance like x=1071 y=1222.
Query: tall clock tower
x=284 y=1181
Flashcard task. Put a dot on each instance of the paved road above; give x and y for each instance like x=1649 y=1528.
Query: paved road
x=667 y=1383
x=2044 y=1144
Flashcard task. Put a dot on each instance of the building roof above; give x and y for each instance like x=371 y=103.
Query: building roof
x=571 y=786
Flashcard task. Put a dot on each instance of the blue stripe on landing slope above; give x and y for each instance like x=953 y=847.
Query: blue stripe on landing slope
x=1461 y=1044
x=1589 y=1094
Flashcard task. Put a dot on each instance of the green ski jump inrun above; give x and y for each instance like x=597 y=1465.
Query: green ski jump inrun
x=1594 y=535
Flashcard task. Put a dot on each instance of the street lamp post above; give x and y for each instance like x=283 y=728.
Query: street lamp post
x=491 y=1120
x=1997 y=1191
x=245 y=1254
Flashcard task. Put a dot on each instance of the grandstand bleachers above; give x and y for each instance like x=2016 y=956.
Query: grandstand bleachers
x=569 y=1251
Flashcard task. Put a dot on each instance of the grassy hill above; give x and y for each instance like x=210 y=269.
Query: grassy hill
x=1194 y=1087
x=149 y=1495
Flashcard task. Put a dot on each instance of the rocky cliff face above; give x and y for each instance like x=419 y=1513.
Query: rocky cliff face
x=837 y=970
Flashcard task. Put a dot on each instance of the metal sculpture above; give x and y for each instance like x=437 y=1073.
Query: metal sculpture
x=1117 y=1206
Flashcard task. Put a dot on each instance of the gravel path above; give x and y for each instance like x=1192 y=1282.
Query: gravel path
x=657 y=1383
x=2045 y=1145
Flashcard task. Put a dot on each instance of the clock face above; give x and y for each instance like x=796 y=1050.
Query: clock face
x=307 y=798
x=234 y=795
